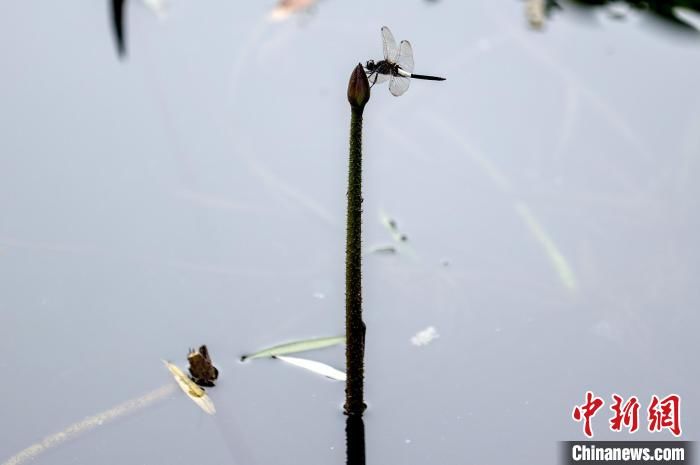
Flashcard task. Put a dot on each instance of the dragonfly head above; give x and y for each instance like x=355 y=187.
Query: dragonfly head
x=370 y=65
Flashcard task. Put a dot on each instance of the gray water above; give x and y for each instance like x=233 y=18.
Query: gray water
x=195 y=193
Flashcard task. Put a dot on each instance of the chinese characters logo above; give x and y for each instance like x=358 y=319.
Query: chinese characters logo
x=661 y=414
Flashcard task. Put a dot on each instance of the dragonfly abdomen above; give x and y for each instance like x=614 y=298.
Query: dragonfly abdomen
x=426 y=78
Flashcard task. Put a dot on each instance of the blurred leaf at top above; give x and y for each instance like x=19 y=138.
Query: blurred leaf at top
x=286 y=8
x=670 y=12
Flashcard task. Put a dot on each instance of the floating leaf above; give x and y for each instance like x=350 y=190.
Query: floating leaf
x=383 y=250
x=315 y=367
x=297 y=346
x=194 y=392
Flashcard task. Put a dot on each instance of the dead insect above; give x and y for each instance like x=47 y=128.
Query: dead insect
x=202 y=371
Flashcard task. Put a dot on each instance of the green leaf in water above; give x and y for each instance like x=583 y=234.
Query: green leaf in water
x=297 y=346
x=314 y=367
x=556 y=258
x=392 y=226
x=383 y=249
x=400 y=245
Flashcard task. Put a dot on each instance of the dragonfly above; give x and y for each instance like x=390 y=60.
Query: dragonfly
x=397 y=65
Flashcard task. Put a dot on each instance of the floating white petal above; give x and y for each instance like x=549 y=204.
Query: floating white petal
x=425 y=337
x=315 y=367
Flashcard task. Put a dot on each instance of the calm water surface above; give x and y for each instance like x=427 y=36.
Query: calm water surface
x=196 y=194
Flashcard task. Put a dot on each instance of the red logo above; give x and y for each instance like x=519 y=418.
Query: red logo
x=586 y=411
x=665 y=413
x=662 y=413
x=625 y=415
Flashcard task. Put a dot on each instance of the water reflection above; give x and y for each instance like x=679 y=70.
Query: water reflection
x=355 y=440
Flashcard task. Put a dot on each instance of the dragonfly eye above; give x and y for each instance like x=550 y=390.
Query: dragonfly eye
x=370 y=65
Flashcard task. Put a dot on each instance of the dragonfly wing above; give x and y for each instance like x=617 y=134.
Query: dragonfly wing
x=382 y=78
x=391 y=51
x=405 y=58
x=398 y=85
x=378 y=78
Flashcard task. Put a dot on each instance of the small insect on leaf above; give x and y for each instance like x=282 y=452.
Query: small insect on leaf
x=194 y=392
x=315 y=367
x=202 y=371
x=297 y=346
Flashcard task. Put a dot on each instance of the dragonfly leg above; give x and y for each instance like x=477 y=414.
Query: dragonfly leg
x=369 y=78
